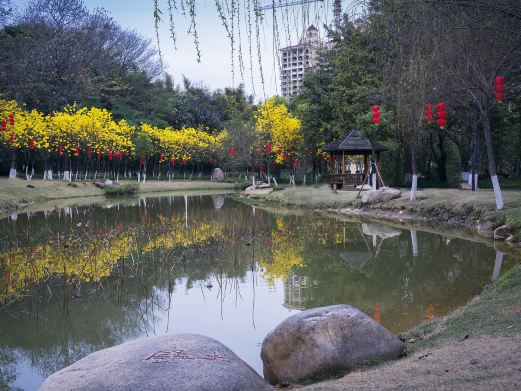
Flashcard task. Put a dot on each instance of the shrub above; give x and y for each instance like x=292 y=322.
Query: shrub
x=122 y=190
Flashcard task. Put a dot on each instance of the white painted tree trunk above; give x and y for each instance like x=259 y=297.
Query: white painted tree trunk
x=497 y=265
x=29 y=176
x=304 y=180
x=12 y=173
x=475 y=180
x=375 y=240
x=253 y=182
x=49 y=175
x=275 y=181
x=373 y=181
x=138 y=176
x=414 y=241
x=497 y=193
x=414 y=187
x=67 y=176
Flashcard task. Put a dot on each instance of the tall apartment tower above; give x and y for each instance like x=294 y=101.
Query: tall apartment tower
x=297 y=59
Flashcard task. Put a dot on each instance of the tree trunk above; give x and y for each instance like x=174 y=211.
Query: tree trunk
x=492 y=163
x=414 y=165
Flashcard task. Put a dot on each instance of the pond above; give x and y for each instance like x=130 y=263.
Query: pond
x=80 y=279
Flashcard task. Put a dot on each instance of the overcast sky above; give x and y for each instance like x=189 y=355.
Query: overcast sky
x=215 y=69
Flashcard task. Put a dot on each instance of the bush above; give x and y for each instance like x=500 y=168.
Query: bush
x=122 y=190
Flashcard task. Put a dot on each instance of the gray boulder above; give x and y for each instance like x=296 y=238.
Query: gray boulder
x=486 y=229
x=324 y=340
x=218 y=175
x=171 y=362
x=381 y=195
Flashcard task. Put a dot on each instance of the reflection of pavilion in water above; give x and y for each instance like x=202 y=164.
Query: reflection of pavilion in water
x=295 y=291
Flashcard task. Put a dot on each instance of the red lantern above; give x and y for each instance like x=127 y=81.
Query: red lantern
x=376 y=121
x=109 y=152
x=442 y=122
x=268 y=147
x=11 y=119
x=261 y=169
x=4 y=126
x=375 y=108
x=279 y=151
x=376 y=114
x=500 y=88
x=99 y=154
x=296 y=163
x=184 y=162
x=440 y=106
x=88 y=152
x=173 y=162
x=31 y=143
x=428 y=113
x=232 y=152
x=161 y=158
x=76 y=151
x=142 y=160
x=11 y=138
x=287 y=157
x=60 y=150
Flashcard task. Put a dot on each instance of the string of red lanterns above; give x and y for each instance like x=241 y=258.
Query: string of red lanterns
x=499 y=87
x=376 y=114
x=428 y=113
x=441 y=115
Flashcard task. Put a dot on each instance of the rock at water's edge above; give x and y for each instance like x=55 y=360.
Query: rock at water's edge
x=381 y=195
x=171 y=362
x=324 y=340
x=218 y=175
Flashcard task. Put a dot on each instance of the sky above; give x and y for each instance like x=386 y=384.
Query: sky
x=215 y=70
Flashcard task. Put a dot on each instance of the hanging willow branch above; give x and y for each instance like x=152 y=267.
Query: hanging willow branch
x=157 y=20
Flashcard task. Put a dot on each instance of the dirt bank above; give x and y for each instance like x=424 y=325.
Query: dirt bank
x=18 y=194
x=446 y=207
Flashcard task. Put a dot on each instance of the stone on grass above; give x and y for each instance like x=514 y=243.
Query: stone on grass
x=218 y=175
x=364 y=187
x=325 y=340
x=170 y=362
x=501 y=233
x=486 y=229
x=381 y=195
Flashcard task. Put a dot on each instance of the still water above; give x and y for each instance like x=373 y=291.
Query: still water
x=80 y=279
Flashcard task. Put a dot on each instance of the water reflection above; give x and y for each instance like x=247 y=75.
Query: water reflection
x=76 y=280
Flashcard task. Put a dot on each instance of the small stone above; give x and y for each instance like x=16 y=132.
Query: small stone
x=501 y=233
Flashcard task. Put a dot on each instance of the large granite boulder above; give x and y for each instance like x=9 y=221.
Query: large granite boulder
x=324 y=340
x=381 y=195
x=171 y=362
x=218 y=175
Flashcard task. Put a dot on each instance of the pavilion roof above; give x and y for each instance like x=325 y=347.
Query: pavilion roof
x=353 y=142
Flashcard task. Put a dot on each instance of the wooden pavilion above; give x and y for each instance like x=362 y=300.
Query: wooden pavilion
x=346 y=165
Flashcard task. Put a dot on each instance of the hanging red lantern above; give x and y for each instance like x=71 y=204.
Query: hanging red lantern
x=268 y=147
x=232 y=152
x=31 y=143
x=60 y=150
x=500 y=88
x=184 y=162
x=142 y=160
x=11 y=119
x=99 y=154
x=296 y=163
x=287 y=157
x=11 y=138
x=76 y=151
x=4 y=126
x=173 y=162
x=376 y=114
x=109 y=152
x=261 y=169
x=88 y=152
x=440 y=106
x=279 y=151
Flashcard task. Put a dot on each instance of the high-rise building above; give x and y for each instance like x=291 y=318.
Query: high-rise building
x=296 y=59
